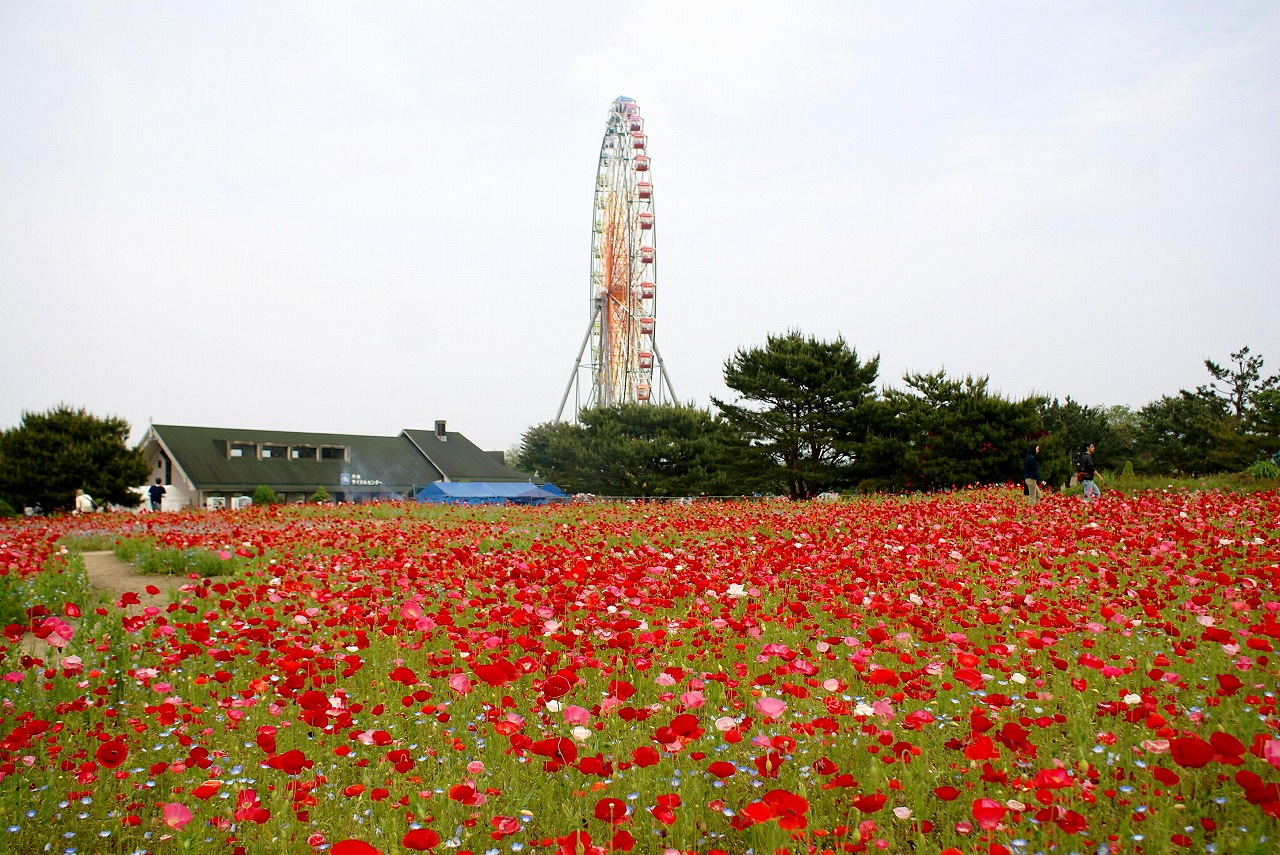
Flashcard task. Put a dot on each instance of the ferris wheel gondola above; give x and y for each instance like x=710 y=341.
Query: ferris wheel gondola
x=622 y=295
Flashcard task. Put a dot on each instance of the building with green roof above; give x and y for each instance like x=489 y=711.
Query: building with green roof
x=213 y=467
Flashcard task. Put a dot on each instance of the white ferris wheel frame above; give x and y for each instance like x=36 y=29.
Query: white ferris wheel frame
x=622 y=293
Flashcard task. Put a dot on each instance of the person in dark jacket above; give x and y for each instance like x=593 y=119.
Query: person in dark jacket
x=156 y=491
x=1087 y=476
x=1031 y=477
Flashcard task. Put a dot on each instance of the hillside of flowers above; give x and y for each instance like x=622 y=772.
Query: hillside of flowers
x=941 y=674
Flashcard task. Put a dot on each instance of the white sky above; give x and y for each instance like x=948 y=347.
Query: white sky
x=362 y=217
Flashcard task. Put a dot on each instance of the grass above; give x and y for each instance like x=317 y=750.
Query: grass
x=1231 y=482
x=148 y=557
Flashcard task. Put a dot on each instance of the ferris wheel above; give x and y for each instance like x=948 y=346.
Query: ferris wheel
x=622 y=293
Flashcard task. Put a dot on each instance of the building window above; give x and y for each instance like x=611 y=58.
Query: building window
x=302 y=452
x=242 y=449
x=274 y=451
x=333 y=453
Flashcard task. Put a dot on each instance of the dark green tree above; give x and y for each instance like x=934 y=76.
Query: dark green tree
x=555 y=452
x=50 y=455
x=640 y=450
x=1222 y=426
x=1237 y=384
x=1193 y=434
x=1264 y=421
x=804 y=412
x=941 y=432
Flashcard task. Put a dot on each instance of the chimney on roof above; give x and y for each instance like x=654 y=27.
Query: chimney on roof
x=440 y=435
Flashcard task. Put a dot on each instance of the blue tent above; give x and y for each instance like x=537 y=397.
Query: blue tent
x=490 y=493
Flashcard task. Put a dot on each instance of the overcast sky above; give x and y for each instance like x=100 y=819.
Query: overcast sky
x=363 y=217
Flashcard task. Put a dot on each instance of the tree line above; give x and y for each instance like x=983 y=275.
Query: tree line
x=808 y=419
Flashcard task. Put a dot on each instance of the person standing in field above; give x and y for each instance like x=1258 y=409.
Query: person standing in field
x=1087 y=476
x=156 y=492
x=1031 y=477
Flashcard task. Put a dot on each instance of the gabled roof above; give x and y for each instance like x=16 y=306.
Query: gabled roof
x=384 y=463
x=460 y=459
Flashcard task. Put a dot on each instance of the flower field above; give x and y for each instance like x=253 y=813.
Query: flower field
x=943 y=674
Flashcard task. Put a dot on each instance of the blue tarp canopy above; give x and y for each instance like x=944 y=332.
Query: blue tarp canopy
x=490 y=492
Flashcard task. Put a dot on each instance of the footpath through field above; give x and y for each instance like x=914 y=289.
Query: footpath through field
x=115 y=578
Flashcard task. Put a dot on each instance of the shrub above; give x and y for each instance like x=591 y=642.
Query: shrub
x=264 y=495
x=1264 y=469
x=6 y=509
x=320 y=496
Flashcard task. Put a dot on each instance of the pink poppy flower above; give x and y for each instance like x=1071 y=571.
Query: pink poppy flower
x=177 y=815
x=771 y=707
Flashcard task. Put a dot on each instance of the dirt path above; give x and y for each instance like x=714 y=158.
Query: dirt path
x=115 y=578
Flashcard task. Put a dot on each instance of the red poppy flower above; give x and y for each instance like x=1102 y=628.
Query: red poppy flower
x=645 y=755
x=1228 y=749
x=559 y=749
x=467 y=795
x=611 y=810
x=1052 y=779
x=1191 y=752
x=555 y=687
x=768 y=764
x=663 y=814
x=988 y=813
x=420 y=838
x=758 y=812
x=577 y=843
x=825 y=766
x=353 y=847
x=403 y=675
x=621 y=689
x=504 y=826
x=686 y=726
x=207 y=789
x=788 y=808
x=497 y=673
x=291 y=762
x=869 y=803
x=722 y=769
x=111 y=754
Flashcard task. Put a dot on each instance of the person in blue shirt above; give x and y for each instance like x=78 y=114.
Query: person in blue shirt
x=1031 y=476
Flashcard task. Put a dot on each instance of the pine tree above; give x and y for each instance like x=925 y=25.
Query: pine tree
x=806 y=411
x=50 y=455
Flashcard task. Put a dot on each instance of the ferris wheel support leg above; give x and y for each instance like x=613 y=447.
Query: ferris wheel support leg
x=662 y=369
x=577 y=363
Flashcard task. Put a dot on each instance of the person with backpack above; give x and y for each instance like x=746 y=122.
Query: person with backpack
x=84 y=503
